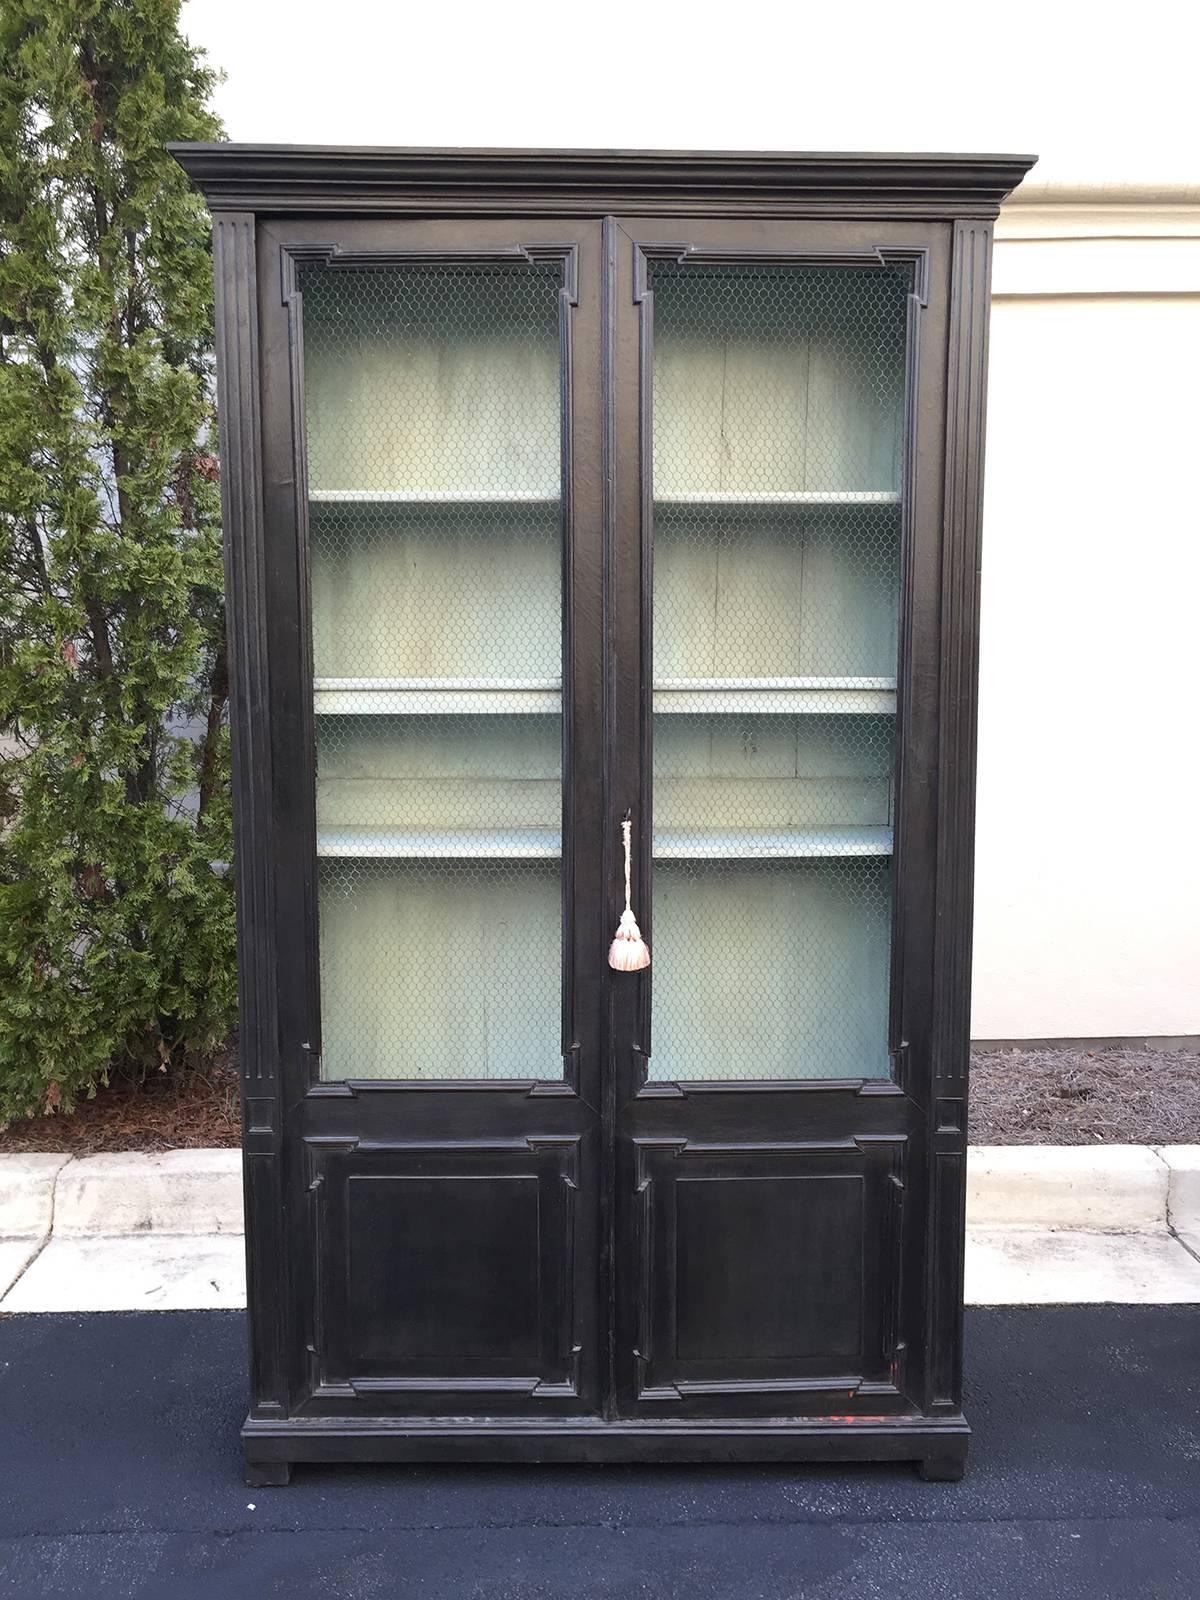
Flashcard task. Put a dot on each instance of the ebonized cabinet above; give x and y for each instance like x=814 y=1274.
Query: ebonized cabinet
x=562 y=489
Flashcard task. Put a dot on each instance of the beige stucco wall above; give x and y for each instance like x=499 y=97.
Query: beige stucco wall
x=1088 y=881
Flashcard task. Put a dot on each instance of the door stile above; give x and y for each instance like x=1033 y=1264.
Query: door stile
x=849 y=1129
x=966 y=307
x=627 y=730
x=237 y=327
x=536 y=1130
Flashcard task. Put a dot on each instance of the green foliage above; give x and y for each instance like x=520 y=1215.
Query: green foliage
x=116 y=915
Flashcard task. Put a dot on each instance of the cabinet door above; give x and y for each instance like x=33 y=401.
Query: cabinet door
x=771 y=757
x=435 y=711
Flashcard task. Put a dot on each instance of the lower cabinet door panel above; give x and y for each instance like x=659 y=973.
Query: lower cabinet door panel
x=768 y=1278
x=447 y=1279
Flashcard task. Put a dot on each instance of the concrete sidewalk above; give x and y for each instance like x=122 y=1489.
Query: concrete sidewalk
x=1047 y=1225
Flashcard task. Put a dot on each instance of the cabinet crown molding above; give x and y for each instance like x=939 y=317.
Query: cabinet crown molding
x=274 y=178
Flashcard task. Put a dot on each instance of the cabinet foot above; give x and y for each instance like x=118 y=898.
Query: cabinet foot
x=942 y=1469
x=268 y=1474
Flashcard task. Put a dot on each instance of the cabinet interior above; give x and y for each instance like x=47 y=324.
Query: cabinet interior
x=433 y=418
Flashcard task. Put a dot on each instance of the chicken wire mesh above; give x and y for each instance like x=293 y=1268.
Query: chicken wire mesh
x=778 y=435
x=433 y=421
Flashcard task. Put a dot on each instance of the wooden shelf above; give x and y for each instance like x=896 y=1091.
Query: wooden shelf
x=781 y=497
x=543 y=696
x=432 y=497
x=800 y=696
x=800 y=498
x=512 y=844
x=374 y=697
x=523 y=844
x=771 y=844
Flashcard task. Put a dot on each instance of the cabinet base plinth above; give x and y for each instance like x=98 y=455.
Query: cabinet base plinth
x=939 y=1447
x=261 y=1474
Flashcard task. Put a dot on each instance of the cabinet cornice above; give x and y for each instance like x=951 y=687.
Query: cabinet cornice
x=276 y=179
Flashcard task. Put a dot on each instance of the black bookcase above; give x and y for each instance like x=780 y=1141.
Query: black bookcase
x=563 y=491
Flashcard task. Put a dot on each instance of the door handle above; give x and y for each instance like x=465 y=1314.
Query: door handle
x=628 y=952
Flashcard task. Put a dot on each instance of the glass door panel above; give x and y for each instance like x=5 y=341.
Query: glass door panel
x=778 y=436
x=433 y=422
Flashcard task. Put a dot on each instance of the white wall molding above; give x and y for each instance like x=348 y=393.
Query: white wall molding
x=1042 y=193
x=1098 y=242
x=1097 y=221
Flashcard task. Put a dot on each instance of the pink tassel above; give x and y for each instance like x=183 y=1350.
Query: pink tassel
x=628 y=952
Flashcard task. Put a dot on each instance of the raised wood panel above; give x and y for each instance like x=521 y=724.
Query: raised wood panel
x=761 y=1270
x=765 y=1268
x=395 y=1321
x=405 y=1307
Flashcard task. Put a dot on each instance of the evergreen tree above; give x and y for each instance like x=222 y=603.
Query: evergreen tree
x=116 y=915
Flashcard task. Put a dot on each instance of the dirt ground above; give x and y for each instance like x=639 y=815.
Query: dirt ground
x=1017 y=1097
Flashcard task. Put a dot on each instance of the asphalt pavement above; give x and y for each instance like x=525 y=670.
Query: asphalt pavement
x=120 y=1477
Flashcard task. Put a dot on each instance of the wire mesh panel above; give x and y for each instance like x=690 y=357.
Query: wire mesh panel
x=433 y=420
x=778 y=432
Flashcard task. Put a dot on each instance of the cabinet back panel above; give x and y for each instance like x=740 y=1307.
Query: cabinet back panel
x=437 y=592
x=433 y=380
x=440 y=969
x=726 y=771
x=439 y=772
x=777 y=378
x=765 y=593
x=770 y=971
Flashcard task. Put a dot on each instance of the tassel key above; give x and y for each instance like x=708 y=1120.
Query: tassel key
x=628 y=952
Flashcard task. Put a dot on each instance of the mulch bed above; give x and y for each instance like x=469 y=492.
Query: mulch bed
x=1017 y=1097
x=169 y=1111
x=1085 y=1097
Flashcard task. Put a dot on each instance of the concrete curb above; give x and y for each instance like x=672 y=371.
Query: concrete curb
x=1104 y=1188
x=179 y=1191
x=1047 y=1223
x=1117 y=1188
x=1183 y=1200
x=27 y=1184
